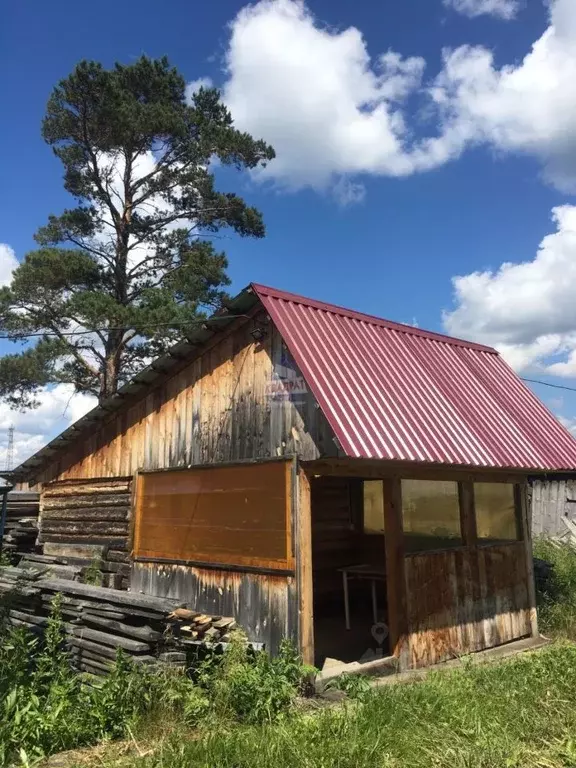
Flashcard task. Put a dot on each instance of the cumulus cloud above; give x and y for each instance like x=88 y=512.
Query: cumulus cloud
x=503 y=9
x=8 y=264
x=59 y=407
x=315 y=94
x=333 y=111
x=526 y=310
x=529 y=108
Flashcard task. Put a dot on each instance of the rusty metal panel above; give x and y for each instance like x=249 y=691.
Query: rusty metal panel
x=262 y=604
x=238 y=514
x=391 y=391
x=466 y=600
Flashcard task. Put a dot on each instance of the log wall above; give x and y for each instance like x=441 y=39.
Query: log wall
x=461 y=601
x=233 y=402
x=88 y=521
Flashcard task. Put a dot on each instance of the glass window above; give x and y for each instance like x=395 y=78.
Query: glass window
x=373 y=506
x=431 y=512
x=496 y=515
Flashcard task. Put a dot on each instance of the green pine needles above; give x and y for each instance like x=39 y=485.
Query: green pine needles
x=124 y=273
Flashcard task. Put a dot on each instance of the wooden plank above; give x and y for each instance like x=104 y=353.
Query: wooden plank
x=395 y=571
x=530 y=585
x=146 y=634
x=303 y=533
x=159 y=605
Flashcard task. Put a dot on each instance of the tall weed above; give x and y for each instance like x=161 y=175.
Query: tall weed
x=556 y=587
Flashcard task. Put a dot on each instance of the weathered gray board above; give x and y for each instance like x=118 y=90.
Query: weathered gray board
x=263 y=604
x=552 y=499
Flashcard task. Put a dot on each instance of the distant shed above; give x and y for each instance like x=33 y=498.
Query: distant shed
x=552 y=500
x=356 y=485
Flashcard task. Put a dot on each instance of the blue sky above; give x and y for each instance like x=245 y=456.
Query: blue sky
x=394 y=175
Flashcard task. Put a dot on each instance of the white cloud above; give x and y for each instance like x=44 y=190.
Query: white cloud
x=59 y=407
x=526 y=310
x=8 y=263
x=332 y=111
x=317 y=97
x=195 y=85
x=503 y=9
x=529 y=108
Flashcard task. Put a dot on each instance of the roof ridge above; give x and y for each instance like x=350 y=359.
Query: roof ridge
x=353 y=314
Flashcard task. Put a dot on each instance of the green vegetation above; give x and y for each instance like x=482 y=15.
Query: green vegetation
x=242 y=709
x=556 y=588
x=520 y=713
x=46 y=707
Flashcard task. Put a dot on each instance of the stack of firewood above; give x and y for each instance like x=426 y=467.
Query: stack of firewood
x=98 y=620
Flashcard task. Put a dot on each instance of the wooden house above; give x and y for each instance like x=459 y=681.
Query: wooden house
x=354 y=484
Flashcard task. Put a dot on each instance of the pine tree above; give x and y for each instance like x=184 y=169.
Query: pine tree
x=119 y=277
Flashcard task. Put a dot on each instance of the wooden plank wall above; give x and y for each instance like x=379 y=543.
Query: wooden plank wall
x=552 y=499
x=265 y=605
x=465 y=600
x=88 y=521
x=218 y=408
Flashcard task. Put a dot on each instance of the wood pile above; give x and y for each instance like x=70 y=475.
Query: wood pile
x=86 y=523
x=99 y=620
x=21 y=530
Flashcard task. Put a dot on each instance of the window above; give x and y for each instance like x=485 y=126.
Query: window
x=373 y=506
x=237 y=515
x=431 y=513
x=496 y=512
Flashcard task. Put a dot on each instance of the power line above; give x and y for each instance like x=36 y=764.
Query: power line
x=17 y=336
x=548 y=384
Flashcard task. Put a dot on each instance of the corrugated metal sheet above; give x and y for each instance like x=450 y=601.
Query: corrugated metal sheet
x=391 y=391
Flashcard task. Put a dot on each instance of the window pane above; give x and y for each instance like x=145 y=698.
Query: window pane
x=496 y=517
x=373 y=506
x=431 y=512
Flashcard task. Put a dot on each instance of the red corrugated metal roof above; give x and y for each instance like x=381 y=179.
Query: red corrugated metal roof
x=391 y=391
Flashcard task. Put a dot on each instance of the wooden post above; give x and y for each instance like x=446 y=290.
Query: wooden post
x=520 y=495
x=467 y=514
x=395 y=572
x=303 y=534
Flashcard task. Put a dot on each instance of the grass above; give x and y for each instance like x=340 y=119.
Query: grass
x=520 y=713
x=241 y=710
x=556 y=588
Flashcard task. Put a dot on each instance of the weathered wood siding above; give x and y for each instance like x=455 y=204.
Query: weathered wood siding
x=223 y=406
x=551 y=500
x=265 y=605
x=88 y=520
x=463 y=600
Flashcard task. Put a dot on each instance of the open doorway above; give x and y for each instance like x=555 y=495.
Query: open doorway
x=349 y=570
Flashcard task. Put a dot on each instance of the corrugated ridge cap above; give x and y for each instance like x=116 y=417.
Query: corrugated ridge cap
x=273 y=293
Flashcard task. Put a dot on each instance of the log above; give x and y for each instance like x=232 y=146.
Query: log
x=86 y=489
x=141 y=633
x=83 y=528
x=90 y=552
x=115 y=542
x=119 y=514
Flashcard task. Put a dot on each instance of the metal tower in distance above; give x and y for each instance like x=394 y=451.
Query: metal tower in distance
x=10 y=448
